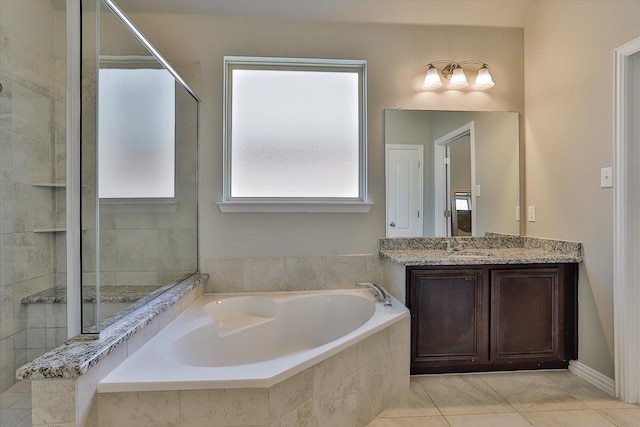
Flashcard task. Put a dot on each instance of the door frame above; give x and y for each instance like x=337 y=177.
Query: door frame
x=442 y=182
x=626 y=276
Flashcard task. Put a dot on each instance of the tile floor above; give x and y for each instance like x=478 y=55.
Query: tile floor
x=541 y=398
x=15 y=405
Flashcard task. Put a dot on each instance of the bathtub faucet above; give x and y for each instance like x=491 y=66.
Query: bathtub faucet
x=380 y=293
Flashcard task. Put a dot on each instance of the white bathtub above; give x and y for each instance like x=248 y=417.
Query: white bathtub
x=252 y=340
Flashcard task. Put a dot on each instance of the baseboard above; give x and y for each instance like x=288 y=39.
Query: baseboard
x=592 y=376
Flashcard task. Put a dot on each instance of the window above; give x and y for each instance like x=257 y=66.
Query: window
x=295 y=135
x=136 y=133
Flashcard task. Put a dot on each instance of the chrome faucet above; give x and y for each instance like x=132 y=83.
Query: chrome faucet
x=381 y=295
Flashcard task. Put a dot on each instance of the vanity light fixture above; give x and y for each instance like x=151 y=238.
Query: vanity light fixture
x=454 y=73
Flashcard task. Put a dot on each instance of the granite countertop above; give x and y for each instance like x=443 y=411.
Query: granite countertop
x=78 y=355
x=493 y=249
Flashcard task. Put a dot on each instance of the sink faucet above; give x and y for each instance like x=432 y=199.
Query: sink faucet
x=381 y=295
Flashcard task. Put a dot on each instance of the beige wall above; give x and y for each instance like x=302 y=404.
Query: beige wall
x=397 y=58
x=569 y=137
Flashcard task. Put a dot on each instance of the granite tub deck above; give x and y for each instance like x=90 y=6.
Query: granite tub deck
x=64 y=380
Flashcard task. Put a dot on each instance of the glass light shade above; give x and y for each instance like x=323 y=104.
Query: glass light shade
x=458 y=79
x=432 y=80
x=483 y=79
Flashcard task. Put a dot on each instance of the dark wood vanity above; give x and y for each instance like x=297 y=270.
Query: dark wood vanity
x=467 y=318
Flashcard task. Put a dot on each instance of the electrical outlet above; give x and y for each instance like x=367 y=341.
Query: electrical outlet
x=532 y=214
x=606 y=177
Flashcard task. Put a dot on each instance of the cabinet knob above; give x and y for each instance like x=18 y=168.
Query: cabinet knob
x=392 y=224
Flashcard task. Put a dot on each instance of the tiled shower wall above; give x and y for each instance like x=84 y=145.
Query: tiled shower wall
x=31 y=151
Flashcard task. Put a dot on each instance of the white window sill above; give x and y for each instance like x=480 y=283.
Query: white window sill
x=295 y=207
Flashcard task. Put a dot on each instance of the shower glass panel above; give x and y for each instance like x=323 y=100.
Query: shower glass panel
x=32 y=187
x=139 y=168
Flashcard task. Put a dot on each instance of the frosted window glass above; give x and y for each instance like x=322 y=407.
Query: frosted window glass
x=136 y=133
x=295 y=134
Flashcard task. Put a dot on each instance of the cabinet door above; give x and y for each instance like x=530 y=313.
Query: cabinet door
x=449 y=319
x=527 y=315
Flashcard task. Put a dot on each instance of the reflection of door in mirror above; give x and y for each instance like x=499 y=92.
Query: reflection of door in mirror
x=404 y=189
x=454 y=171
x=459 y=185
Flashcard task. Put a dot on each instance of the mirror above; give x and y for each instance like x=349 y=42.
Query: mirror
x=468 y=173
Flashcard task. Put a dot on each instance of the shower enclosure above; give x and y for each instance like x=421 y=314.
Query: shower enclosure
x=136 y=191
x=32 y=182
x=138 y=168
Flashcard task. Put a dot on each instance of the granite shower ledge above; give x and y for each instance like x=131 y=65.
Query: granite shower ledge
x=495 y=249
x=108 y=293
x=76 y=356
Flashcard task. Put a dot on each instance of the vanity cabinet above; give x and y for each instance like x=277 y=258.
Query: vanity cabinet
x=492 y=317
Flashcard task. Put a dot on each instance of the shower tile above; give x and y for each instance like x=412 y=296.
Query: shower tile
x=6 y=312
x=7 y=372
x=208 y=408
x=6 y=144
x=137 y=278
x=177 y=248
x=136 y=250
x=31 y=116
x=290 y=394
x=55 y=337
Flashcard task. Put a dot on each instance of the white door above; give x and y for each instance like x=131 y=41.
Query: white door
x=404 y=190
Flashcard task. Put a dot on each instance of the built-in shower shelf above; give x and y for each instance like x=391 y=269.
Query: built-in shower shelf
x=50 y=184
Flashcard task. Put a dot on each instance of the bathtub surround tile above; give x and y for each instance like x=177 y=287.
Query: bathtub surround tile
x=57 y=400
x=291 y=273
x=230 y=407
x=151 y=409
x=339 y=405
x=335 y=368
x=290 y=394
x=302 y=416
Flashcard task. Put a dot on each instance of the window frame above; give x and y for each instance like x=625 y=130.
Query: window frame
x=294 y=204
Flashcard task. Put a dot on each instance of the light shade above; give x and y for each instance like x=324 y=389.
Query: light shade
x=458 y=79
x=432 y=80
x=483 y=79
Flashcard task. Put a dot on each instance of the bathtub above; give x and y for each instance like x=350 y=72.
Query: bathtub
x=258 y=340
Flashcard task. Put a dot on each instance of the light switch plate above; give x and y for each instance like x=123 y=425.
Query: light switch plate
x=606 y=177
x=532 y=214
